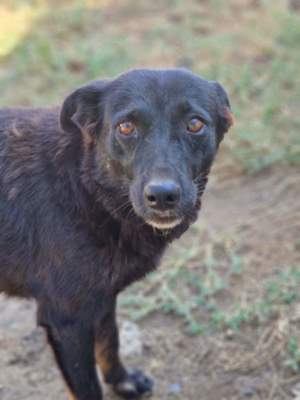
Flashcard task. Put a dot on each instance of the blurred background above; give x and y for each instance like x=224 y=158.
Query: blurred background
x=221 y=318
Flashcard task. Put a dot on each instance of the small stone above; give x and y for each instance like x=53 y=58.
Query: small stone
x=229 y=334
x=130 y=339
x=296 y=391
x=296 y=313
x=174 y=388
x=248 y=391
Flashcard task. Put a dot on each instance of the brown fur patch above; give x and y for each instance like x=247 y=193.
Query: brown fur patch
x=101 y=358
x=70 y=394
x=88 y=138
x=229 y=116
x=64 y=142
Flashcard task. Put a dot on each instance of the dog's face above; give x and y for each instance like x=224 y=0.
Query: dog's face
x=154 y=135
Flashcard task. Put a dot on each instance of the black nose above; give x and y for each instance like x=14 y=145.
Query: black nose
x=162 y=195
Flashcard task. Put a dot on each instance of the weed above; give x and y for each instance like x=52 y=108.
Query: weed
x=293 y=361
x=281 y=290
x=198 y=289
x=198 y=296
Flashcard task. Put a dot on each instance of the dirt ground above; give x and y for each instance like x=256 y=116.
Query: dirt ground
x=265 y=212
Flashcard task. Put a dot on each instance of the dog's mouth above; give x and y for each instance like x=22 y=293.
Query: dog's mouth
x=165 y=220
x=160 y=220
x=163 y=223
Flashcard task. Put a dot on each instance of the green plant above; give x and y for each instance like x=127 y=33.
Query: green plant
x=293 y=348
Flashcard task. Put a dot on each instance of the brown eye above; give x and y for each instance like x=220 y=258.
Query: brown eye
x=126 y=128
x=195 y=125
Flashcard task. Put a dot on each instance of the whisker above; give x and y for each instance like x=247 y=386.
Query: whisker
x=117 y=209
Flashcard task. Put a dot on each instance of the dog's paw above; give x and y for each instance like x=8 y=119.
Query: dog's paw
x=135 y=385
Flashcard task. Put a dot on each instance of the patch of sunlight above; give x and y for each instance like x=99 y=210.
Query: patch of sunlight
x=15 y=24
x=97 y=3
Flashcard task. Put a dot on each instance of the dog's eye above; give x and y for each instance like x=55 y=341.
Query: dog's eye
x=126 y=128
x=195 y=125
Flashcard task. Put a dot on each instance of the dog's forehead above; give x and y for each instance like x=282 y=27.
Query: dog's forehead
x=160 y=87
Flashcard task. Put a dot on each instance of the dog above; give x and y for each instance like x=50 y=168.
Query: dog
x=91 y=194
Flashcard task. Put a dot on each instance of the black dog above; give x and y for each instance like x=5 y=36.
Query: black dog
x=90 y=197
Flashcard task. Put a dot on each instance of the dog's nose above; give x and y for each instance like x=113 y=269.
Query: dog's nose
x=162 y=195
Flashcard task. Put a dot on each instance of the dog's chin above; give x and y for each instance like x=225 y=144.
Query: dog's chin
x=164 y=223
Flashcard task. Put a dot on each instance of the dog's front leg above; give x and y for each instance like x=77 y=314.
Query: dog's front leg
x=72 y=341
x=129 y=384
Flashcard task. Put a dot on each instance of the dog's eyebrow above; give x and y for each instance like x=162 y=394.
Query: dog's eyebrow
x=133 y=112
x=191 y=107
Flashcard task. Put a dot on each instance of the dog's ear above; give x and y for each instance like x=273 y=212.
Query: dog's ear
x=225 y=118
x=82 y=110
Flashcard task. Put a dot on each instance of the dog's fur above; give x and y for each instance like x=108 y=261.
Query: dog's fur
x=74 y=225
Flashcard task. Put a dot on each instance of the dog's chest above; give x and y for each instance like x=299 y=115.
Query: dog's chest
x=136 y=254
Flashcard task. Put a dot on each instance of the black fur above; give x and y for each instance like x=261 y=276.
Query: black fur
x=73 y=229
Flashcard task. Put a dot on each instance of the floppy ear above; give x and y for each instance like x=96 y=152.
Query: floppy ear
x=225 y=118
x=82 y=110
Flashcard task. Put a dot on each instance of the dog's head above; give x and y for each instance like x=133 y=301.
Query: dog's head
x=151 y=137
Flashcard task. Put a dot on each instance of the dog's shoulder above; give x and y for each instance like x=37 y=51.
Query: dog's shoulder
x=27 y=138
x=30 y=141
x=21 y=121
